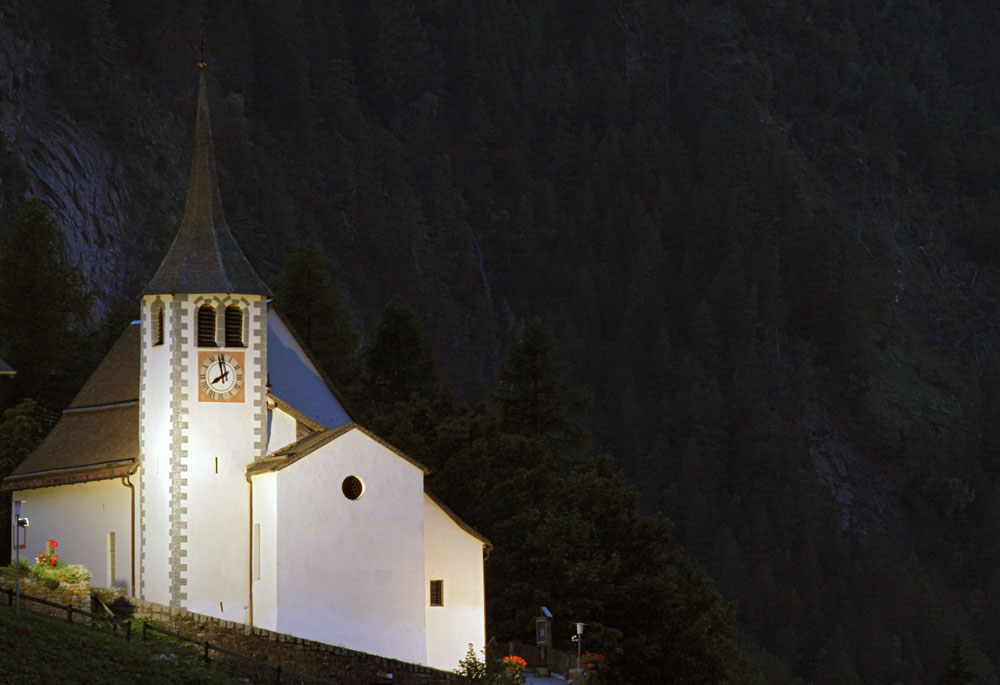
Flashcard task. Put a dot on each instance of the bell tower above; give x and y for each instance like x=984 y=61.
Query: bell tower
x=202 y=404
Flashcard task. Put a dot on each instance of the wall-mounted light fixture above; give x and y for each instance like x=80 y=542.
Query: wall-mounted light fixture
x=20 y=540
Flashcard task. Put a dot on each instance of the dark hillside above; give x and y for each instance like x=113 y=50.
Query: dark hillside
x=766 y=235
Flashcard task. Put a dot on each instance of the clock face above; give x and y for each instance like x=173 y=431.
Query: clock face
x=220 y=376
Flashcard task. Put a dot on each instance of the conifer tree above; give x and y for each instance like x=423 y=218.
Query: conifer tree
x=306 y=293
x=19 y=434
x=956 y=670
x=398 y=362
x=44 y=304
x=533 y=396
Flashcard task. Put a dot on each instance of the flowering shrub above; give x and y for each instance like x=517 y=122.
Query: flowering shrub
x=514 y=663
x=51 y=570
x=592 y=661
x=506 y=671
x=513 y=667
x=49 y=556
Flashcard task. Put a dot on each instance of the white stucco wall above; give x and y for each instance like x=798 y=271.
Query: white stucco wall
x=154 y=435
x=264 y=573
x=218 y=512
x=351 y=573
x=456 y=557
x=295 y=380
x=220 y=444
x=79 y=517
x=281 y=429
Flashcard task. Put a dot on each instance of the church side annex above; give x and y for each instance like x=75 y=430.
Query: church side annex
x=207 y=464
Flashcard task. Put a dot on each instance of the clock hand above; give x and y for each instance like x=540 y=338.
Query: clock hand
x=223 y=375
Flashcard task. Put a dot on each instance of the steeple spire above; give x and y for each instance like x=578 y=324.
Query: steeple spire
x=204 y=257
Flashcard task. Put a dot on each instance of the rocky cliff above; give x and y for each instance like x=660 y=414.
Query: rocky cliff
x=92 y=187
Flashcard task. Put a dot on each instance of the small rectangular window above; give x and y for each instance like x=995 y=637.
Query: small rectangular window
x=437 y=593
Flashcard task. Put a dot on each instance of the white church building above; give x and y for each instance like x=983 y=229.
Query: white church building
x=208 y=465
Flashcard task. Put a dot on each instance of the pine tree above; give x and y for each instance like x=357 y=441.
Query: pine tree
x=44 y=305
x=533 y=396
x=19 y=434
x=398 y=362
x=956 y=670
x=306 y=293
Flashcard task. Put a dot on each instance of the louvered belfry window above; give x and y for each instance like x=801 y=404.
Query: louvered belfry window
x=234 y=326
x=158 y=325
x=206 y=326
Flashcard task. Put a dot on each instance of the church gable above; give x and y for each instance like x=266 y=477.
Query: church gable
x=340 y=517
x=285 y=457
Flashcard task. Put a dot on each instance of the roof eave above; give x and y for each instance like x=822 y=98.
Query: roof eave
x=459 y=522
x=289 y=455
x=68 y=476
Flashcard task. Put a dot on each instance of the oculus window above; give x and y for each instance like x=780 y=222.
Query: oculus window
x=352 y=487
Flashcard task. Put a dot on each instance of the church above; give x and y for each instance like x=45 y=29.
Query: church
x=207 y=464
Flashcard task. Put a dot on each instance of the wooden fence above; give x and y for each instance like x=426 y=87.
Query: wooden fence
x=232 y=661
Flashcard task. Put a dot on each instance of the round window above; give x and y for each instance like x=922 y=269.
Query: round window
x=352 y=487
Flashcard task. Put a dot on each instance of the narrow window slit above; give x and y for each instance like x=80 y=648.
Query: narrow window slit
x=158 y=325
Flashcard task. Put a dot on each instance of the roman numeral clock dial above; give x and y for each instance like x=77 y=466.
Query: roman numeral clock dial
x=220 y=376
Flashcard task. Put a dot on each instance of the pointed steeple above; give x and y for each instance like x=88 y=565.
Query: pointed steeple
x=204 y=257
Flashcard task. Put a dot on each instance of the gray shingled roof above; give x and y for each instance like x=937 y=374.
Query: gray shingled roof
x=5 y=369
x=204 y=257
x=116 y=378
x=98 y=434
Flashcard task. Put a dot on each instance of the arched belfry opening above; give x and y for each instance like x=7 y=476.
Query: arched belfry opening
x=206 y=326
x=234 y=326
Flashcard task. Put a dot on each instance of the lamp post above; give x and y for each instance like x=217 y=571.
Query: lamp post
x=19 y=523
x=579 y=642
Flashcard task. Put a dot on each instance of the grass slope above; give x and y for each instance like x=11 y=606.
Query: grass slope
x=39 y=649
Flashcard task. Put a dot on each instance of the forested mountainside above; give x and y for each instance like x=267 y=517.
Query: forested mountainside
x=764 y=235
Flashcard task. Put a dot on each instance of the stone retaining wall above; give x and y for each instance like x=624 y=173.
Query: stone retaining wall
x=339 y=664
x=77 y=594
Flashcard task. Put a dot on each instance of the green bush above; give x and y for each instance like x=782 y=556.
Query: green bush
x=490 y=669
x=53 y=575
